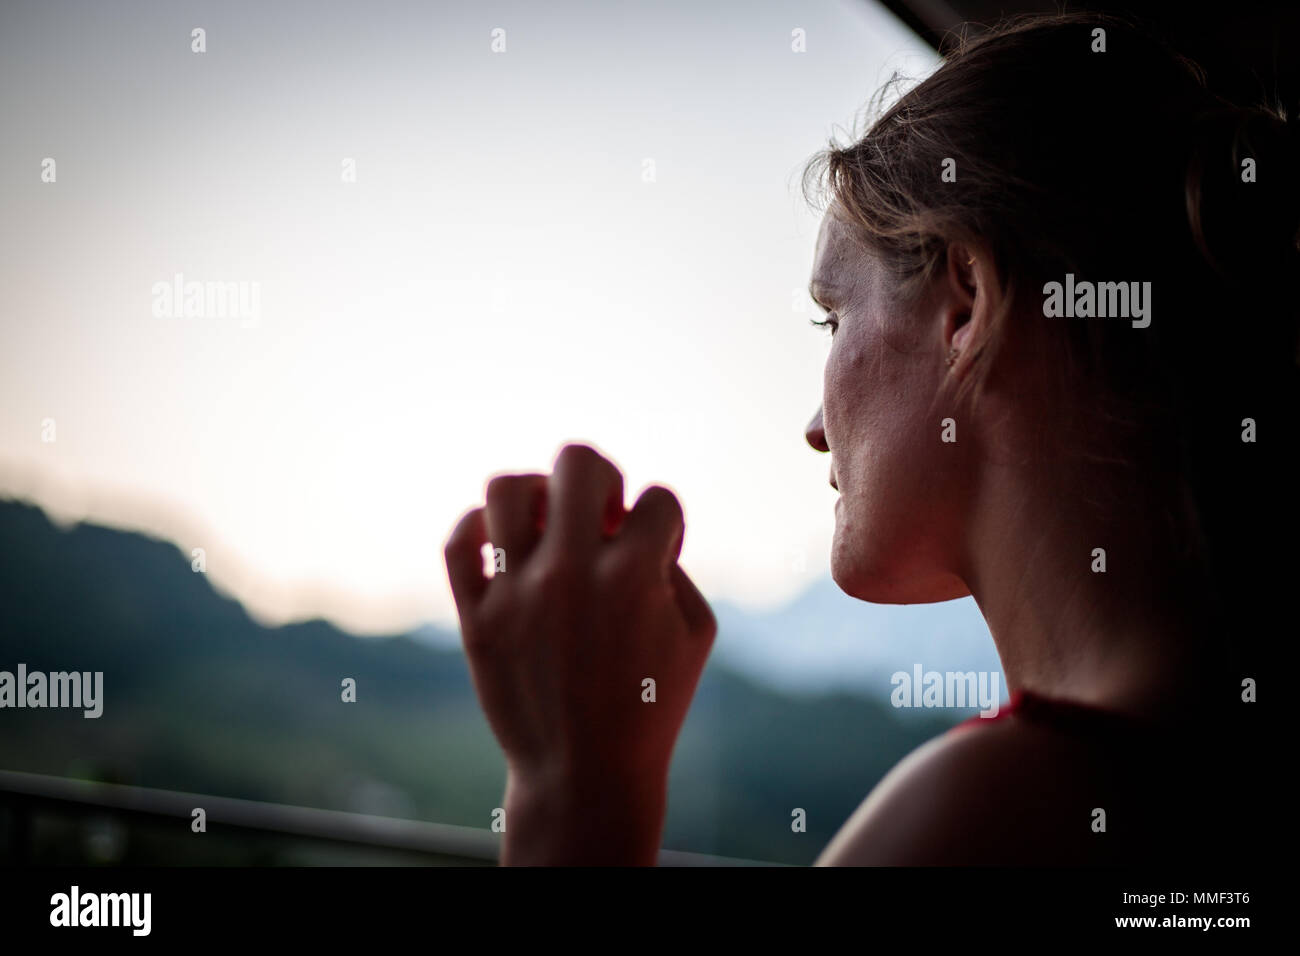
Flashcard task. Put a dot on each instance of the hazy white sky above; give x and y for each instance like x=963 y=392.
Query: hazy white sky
x=500 y=278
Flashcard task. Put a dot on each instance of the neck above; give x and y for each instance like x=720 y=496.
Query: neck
x=1133 y=637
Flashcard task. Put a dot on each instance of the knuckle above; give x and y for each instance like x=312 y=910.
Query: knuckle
x=501 y=487
x=546 y=576
x=662 y=496
x=661 y=501
x=578 y=452
x=455 y=543
x=585 y=458
x=496 y=487
x=621 y=562
x=459 y=540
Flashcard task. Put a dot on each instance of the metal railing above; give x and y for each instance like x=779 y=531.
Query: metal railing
x=28 y=795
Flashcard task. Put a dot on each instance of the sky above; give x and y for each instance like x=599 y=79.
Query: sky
x=465 y=234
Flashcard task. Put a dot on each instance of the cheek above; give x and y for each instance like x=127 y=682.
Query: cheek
x=877 y=417
x=863 y=388
x=844 y=395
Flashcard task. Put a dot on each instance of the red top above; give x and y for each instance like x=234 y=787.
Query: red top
x=1062 y=713
x=1154 y=773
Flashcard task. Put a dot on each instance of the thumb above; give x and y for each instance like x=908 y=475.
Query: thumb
x=696 y=610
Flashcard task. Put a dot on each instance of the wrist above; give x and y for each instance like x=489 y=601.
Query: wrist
x=584 y=819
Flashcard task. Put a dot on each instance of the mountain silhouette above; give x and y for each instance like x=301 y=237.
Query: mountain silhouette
x=199 y=697
x=825 y=640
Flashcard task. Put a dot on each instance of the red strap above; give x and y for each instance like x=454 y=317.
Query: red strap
x=1015 y=703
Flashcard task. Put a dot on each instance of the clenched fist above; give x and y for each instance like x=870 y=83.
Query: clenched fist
x=592 y=605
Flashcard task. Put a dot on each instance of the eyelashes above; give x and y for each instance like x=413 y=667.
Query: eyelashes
x=831 y=322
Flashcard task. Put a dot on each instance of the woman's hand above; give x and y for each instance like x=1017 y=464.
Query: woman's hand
x=585 y=653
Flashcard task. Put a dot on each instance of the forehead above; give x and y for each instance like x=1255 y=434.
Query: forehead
x=838 y=258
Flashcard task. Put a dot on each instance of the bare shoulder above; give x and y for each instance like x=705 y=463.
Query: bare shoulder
x=1007 y=793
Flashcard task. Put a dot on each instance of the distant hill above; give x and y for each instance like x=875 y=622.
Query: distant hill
x=198 y=697
x=825 y=640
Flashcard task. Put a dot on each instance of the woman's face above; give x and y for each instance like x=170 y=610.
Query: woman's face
x=903 y=491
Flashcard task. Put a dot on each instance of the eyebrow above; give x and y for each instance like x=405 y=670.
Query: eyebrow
x=824 y=287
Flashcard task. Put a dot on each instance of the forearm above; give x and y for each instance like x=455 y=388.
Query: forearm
x=591 y=820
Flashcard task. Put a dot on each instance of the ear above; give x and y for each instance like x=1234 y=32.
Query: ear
x=969 y=296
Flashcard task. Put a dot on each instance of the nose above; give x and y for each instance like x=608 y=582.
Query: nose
x=815 y=433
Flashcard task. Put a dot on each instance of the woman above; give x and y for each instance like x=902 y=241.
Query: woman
x=1058 y=276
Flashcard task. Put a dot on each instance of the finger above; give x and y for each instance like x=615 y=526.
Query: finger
x=464 y=555
x=699 y=616
x=515 y=505
x=655 y=525
x=585 y=488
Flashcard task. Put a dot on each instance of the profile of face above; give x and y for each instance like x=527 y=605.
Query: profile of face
x=905 y=493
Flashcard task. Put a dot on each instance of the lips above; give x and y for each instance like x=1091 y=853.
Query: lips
x=833 y=484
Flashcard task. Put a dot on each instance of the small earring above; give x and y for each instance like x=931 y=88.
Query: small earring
x=952 y=357
x=970 y=261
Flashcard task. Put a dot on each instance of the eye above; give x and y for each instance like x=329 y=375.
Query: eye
x=831 y=321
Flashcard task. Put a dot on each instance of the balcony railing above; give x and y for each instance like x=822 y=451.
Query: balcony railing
x=103 y=819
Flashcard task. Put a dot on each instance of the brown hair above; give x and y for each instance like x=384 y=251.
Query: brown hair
x=1114 y=165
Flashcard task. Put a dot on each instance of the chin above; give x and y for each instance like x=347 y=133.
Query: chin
x=868 y=577
x=866 y=587
x=858 y=577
